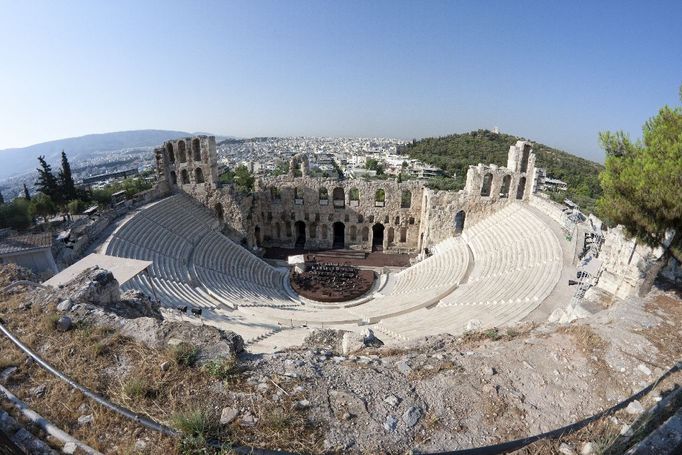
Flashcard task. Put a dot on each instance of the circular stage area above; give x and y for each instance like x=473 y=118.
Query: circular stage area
x=329 y=282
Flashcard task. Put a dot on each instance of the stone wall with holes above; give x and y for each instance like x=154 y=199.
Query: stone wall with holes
x=187 y=161
x=357 y=210
x=488 y=188
x=297 y=210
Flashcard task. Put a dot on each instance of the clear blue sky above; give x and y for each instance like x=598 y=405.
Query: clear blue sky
x=557 y=73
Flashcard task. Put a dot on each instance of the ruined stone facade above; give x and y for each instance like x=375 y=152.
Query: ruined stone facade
x=300 y=211
x=187 y=161
x=628 y=267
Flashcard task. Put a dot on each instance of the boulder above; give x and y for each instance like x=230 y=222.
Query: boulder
x=64 y=324
x=352 y=342
x=228 y=415
x=65 y=305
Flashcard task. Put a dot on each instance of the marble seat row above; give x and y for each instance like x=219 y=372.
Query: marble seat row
x=517 y=258
x=176 y=235
x=446 y=266
x=218 y=253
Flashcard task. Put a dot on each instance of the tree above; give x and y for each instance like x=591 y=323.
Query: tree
x=15 y=215
x=27 y=195
x=2 y=199
x=243 y=179
x=42 y=205
x=76 y=206
x=47 y=183
x=371 y=164
x=67 y=186
x=642 y=182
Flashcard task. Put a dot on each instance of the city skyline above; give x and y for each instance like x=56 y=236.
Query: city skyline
x=557 y=75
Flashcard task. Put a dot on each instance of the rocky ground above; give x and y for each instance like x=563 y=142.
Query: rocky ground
x=339 y=392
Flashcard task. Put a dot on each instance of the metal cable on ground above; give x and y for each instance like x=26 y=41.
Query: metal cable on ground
x=517 y=444
x=144 y=421
x=494 y=449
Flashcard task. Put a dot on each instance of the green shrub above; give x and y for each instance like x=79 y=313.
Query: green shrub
x=222 y=368
x=184 y=354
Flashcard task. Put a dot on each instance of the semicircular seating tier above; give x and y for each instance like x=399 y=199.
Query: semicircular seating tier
x=517 y=264
x=419 y=286
x=192 y=262
x=496 y=272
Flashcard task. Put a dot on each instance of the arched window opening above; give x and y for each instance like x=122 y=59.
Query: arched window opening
x=257 y=235
x=323 y=232
x=487 y=185
x=298 y=196
x=405 y=200
x=386 y=220
x=506 y=184
x=397 y=220
x=520 y=191
x=403 y=234
x=380 y=198
x=365 y=234
x=411 y=220
x=459 y=222
x=182 y=156
x=324 y=196
x=184 y=176
x=278 y=231
x=378 y=237
x=339 y=235
x=524 y=158
x=361 y=219
x=275 y=194
x=196 y=149
x=354 y=197
x=174 y=178
x=171 y=155
x=287 y=225
x=391 y=235
x=353 y=233
x=198 y=175
x=339 y=197
x=313 y=230
x=370 y=219
x=218 y=208
x=299 y=227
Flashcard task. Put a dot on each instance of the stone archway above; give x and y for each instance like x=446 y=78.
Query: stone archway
x=339 y=235
x=299 y=230
x=378 y=237
x=258 y=236
x=459 y=222
x=521 y=189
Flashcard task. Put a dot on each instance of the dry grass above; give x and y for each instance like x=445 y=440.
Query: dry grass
x=496 y=334
x=666 y=336
x=181 y=394
x=420 y=374
x=587 y=340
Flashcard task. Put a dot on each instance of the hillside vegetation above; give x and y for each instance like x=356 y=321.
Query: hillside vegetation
x=454 y=153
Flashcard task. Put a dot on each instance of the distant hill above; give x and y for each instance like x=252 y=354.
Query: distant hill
x=454 y=153
x=21 y=160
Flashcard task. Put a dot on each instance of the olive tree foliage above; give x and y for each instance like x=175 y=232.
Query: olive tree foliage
x=642 y=182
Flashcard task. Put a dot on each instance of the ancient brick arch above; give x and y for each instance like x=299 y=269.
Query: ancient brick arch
x=487 y=184
x=182 y=155
x=196 y=149
x=171 y=155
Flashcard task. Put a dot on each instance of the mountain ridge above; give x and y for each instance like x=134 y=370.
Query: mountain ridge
x=19 y=160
